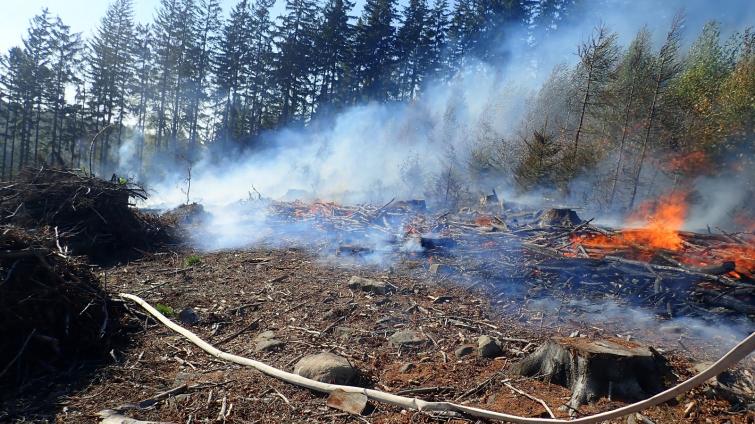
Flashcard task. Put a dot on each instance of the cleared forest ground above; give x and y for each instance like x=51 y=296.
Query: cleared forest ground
x=306 y=302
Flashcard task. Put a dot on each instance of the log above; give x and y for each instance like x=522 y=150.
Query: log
x=597 y=368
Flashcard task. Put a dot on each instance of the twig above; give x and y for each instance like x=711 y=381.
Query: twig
x=424 y=390
x=478 y=387
x=238 y=333
x=20 y=352
x=529 y=396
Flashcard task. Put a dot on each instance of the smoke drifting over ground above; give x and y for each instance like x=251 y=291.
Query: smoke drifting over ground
x=374 y=152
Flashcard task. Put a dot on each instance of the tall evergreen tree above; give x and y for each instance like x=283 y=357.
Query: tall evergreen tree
x=207 y=29
x=413 y=45
x=333 y=47
x=375 y=44
x=37 y=46
x=65 y=62
x=111 y=72
x=295 y=56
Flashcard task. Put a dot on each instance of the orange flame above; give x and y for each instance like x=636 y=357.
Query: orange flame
x=662 y=222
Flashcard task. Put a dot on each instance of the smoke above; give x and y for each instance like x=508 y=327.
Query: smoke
x=378 y=151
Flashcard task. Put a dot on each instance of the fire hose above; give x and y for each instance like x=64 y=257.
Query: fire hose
x=736 y=354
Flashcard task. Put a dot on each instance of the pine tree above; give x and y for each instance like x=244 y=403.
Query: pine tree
x=143 y=88
x=207 y=29
x=439 y=24
x=631 y=76
x=16 y=85
x=295 y=56
x=375 y=44
x=597 y=58
x=665 y=68
x=333 y=47
x=234 y=52
x=65 y=62
x=259 y=68
x=174 y=41
x=111 y=72
x=413 y=45
x=463 y=32
x=37 y=47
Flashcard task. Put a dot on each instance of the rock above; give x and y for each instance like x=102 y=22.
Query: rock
x=265 y=335
x=353 y=403
x=369 y=285
x=441 y=269
x=188 y=316
x=266 y=341
x=344 y=332
x=326 y=367
x=488 y=347
x=404 y=338
x=638 y=418
x=559 y=217
x=464 y=350
x=268 y=344
x=407 y=367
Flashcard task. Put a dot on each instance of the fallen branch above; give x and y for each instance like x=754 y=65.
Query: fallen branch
x=739 y=352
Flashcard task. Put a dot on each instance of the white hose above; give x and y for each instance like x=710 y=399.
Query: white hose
x=739 y=352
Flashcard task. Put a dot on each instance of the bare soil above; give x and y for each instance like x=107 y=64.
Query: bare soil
x=306 y=302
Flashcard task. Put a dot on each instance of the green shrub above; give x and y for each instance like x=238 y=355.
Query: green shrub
x=193 y=260
x=165 y=310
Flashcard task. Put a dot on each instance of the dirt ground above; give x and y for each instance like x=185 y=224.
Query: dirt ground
x=305 y=301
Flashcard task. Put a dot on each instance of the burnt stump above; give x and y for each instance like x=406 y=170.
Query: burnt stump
x=596 y=368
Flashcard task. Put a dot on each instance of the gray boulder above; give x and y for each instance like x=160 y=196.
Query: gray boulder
x=488 y=347
x=327 y=368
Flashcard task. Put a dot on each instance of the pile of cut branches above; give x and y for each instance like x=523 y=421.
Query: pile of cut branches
x=89 y=216
x=53 y=312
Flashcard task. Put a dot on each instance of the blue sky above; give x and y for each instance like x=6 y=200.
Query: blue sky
x=81 y=15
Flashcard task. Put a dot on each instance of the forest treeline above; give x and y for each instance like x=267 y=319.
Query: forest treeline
x=195 y=77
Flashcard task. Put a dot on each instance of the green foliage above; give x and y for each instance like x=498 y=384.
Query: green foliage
x=193 y=260
x=165 y=310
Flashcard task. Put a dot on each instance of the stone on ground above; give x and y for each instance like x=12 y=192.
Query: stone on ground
x=488 y=347
x=369 y=285
x=266 y=341
x=407 y=338
x=326 y=367
x=464 y=350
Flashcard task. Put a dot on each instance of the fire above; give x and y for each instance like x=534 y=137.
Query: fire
x=655 y=226
x=662 y=222
x=742 y=256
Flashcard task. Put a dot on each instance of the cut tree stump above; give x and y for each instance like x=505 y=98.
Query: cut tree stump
x=596 y=368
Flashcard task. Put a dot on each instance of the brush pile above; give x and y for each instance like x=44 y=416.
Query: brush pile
x=53 y=313
x=89 y=216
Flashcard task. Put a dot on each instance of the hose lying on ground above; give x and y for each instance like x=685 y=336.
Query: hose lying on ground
x=739 y=352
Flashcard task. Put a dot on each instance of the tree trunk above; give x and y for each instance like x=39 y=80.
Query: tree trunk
x=645 y=141
x=594 y=369
x=624 y=132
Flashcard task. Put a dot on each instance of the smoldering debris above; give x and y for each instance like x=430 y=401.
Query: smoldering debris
x=518 y=253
